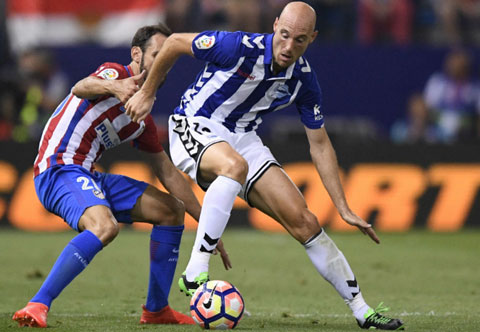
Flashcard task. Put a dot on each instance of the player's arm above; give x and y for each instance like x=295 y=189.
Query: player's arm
x=174 y=182
x=174 y=46
x=92 y=87
x=178 y=186
x=325 y=160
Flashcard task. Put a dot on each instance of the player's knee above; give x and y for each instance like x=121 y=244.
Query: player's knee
x=235 y=168
x=178 y=214
x=175 y=214
x=305 y=226
x=110 y=231
x=106 y=231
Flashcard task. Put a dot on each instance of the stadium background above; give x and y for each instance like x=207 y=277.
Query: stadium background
x=366 y=86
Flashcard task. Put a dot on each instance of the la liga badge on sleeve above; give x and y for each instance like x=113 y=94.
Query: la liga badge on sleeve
x=205 y=42
x=108 y=74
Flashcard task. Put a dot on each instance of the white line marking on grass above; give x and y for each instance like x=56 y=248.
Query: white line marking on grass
x=430 y=313
x=393 y=314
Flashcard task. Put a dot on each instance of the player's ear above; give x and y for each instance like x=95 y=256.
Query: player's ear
x=136 y=54
x=313 y=36
x=275 y=24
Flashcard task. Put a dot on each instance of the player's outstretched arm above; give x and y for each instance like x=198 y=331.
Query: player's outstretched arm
x=325 y=160
x=92 y=87
x=178 y=186
x=174 y=182
x=174 y=46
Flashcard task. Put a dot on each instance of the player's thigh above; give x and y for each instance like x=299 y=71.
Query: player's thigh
x=275 y=194
x=68 y=191
x=122 y=193
x=203 y=149
x=157 y=207
x=222 y=159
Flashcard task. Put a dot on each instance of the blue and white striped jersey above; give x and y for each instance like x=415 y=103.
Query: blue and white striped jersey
x=237 y=86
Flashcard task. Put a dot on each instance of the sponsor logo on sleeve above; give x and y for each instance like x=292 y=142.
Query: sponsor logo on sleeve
x=108 y=74
x=205 y=42
x=317 y=113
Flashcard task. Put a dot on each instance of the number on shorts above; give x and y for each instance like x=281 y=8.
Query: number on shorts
x=94 y=188
x=86 y=181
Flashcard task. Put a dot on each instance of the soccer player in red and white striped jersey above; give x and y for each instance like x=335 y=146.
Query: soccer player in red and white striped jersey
x=90 y=120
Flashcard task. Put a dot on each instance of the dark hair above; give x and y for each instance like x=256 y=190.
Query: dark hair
x=143 y=35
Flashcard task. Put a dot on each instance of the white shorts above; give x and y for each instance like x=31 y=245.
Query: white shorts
x=191 y=136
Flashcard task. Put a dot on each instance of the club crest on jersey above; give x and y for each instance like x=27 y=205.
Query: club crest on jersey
x=108 y=74
x=282 y=91
x=205 y=42
x=98 y=194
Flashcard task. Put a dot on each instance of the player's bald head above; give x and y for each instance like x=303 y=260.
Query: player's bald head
x=293 y=31
x=299 y=13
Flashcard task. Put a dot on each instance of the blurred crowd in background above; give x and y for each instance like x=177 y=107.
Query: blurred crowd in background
x=364 y=21
x=447 y=110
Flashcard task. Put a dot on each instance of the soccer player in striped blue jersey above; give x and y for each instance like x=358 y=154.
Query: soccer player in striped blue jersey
x=213 y=139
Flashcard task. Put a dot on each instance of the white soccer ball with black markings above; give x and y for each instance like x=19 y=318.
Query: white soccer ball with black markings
x=217 y=305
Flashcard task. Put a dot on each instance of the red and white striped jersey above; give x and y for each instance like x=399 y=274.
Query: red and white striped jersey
x=80 y=130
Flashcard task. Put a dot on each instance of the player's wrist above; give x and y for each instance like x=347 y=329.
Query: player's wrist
x=147 y=93
x=345 y=213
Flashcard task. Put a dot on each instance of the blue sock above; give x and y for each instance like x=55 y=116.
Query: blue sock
x=73 y=259
x=164 y=247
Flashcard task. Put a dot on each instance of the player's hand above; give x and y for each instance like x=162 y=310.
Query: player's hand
x=126 y=88
x=223 y=253
x=354 y=220
x=138 y=107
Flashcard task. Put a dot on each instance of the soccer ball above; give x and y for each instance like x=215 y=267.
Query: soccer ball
x=217 y=305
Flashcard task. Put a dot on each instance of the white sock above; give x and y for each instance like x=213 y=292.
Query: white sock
x=198 y=263
x=359 y=307
x=216 y=208
x=333 y=266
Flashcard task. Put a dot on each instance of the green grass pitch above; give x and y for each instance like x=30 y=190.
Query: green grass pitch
x=430 y=280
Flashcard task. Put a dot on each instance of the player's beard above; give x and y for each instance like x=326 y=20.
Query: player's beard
x=142 y=63
x=142 y=68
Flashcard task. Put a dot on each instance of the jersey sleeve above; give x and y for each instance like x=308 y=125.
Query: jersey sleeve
x=111 y=71
x=148 y=141
x=219 y=47
x=309 y=102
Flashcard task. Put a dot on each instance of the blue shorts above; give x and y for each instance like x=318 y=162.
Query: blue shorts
x=69 y=190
